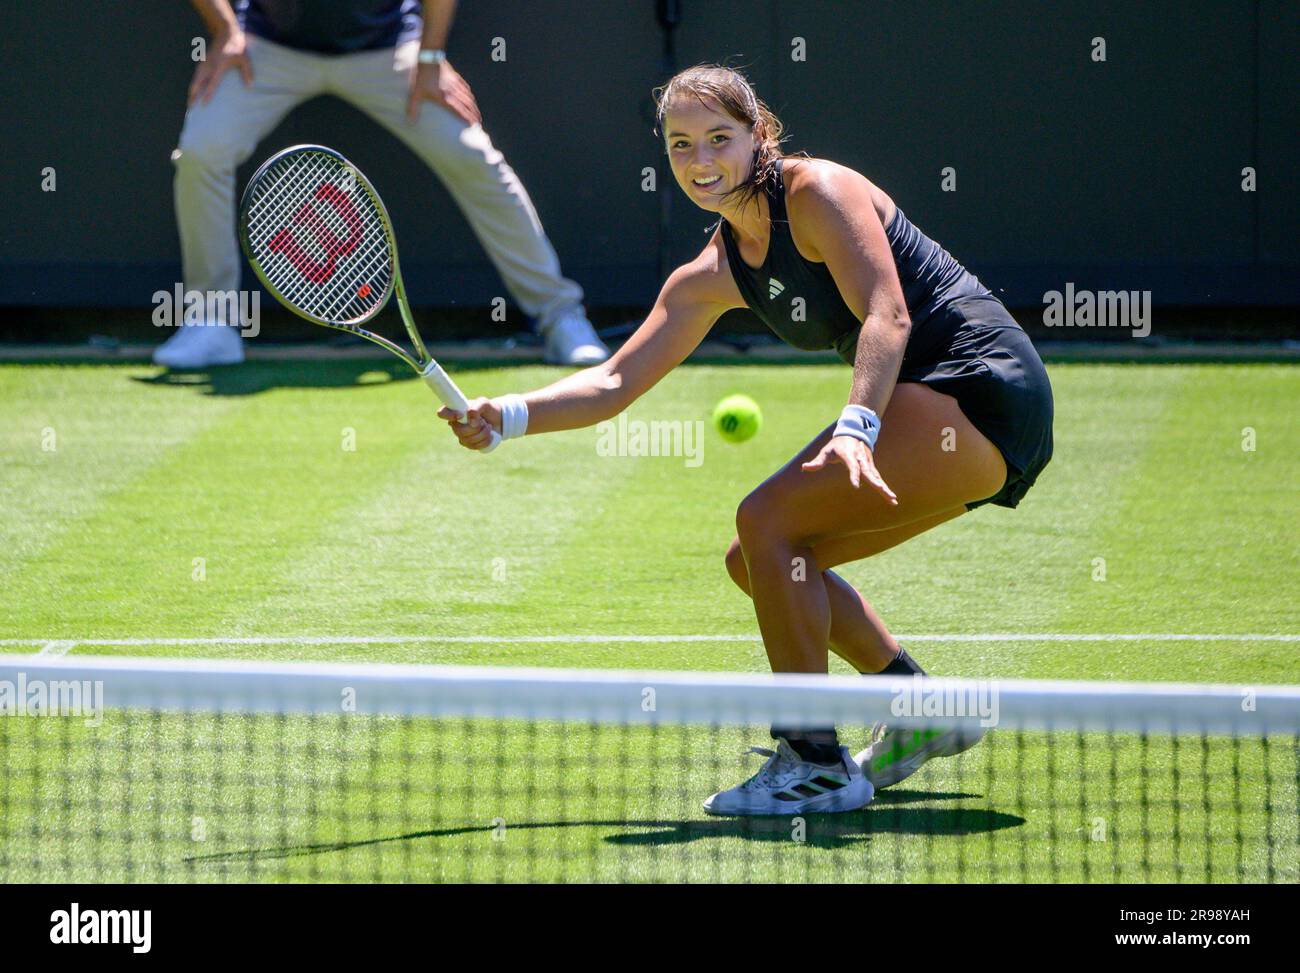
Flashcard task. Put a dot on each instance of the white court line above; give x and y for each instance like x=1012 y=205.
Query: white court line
x=60 y=647
x=52 y=650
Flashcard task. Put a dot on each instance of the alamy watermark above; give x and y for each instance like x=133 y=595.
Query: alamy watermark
x=1098 y=309
x=659 y=437
x=53 y=697
x=947 y=698
x=179 y=307
x=130 y=927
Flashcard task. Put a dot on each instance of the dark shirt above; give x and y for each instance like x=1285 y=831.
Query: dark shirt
x=332 y=26
x=932 y=280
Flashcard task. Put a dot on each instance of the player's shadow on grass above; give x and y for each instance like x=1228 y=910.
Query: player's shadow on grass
x=253 y=377
x=888 y=814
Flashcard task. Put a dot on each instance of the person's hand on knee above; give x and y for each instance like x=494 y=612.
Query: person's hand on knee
x=228 y=49
x=442 y=84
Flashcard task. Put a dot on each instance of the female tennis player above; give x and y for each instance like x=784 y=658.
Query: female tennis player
x=949 y=407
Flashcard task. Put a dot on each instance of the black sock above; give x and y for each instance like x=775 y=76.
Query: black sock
x=901 y=665
x=816 y=746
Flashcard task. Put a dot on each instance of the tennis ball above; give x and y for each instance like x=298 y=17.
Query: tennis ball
x=737 y=418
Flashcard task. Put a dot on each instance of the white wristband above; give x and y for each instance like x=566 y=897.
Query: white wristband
x=859 y=422
x=514 y=415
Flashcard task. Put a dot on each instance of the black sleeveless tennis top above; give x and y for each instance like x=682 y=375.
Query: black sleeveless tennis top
x=931 y=280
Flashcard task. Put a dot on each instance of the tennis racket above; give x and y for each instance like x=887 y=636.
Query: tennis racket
x=319 y=239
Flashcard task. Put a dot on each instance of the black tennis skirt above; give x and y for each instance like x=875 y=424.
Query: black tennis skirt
x=973 y=350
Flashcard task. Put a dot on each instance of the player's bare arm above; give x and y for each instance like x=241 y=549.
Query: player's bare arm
x=833 y=209
x=691 y=300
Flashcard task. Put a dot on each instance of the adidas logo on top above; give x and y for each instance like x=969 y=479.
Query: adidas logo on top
x=774 y=288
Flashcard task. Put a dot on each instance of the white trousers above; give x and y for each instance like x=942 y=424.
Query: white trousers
x=219 y=136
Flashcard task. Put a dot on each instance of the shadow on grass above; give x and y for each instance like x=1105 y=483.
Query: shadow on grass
x=253 y=377
x=887 y=815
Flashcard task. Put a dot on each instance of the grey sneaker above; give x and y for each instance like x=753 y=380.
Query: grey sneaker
x=899 y=753
x=788 y=784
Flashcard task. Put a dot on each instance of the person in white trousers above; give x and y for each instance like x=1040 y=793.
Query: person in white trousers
x=268 y=56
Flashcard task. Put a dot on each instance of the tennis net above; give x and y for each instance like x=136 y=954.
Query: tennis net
x=115 y=769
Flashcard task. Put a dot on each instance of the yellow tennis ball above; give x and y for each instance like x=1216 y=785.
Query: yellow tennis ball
x=737 y=418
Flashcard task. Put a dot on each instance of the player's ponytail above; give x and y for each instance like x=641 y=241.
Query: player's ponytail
x=728 y=89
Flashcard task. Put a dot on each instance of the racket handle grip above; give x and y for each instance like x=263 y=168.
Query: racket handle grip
x=452 y=397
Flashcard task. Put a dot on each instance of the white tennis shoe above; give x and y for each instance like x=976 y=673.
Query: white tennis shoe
x=571 y=340
x=895 y=754
x=200 y=346
x=788 y=784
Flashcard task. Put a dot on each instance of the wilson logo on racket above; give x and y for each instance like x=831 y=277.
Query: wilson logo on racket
x=335 y=213
x=284 y=242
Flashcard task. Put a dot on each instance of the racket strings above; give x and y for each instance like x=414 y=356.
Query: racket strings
x=285 y=189
x=336 y=276
x=329 y=299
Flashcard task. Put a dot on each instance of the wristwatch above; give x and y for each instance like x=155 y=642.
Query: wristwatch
x=428 y=56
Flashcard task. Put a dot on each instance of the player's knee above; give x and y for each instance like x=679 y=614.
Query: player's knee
x=736 y=567
x=755 y=517
x=467 y=156
x=207 y=150
x=472 y=146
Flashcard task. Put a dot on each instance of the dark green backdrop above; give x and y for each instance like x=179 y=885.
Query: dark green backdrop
x=1123 y=174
